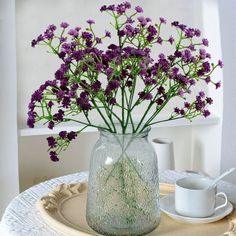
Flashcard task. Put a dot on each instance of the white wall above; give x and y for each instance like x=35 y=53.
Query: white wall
x=228 y=35
x=8 y=109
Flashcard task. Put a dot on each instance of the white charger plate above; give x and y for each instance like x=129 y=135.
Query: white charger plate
x=167 y=205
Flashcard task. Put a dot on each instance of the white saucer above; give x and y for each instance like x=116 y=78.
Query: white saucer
x=167 y=205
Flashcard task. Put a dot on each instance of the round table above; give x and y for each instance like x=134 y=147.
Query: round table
x=21 y=217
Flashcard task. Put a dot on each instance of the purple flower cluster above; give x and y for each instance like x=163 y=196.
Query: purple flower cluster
x=48 y=35
x=63 y=137
x=92 y=79
x=119 y=9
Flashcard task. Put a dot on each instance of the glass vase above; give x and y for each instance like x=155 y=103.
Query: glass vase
x=123 y=193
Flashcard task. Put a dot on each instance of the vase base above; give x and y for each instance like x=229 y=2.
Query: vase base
x=121 y=231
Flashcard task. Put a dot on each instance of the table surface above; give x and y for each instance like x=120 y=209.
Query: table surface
x=21 y=217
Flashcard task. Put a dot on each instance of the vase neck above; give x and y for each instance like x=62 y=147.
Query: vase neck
x=128 y=135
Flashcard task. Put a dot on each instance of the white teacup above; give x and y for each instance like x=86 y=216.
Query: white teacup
x=193 y=199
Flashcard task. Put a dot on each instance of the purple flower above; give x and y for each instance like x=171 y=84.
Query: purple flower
x=138 y=9
x=202 y=53
x=186 y=55
x=53 y=156
x=90 y=21
x=182 y=79
x=208 y=79
x=152 y=30
x=83 y=102
x=107 y=34
x=177 y=110
x=51 y=125
x=64 y=25
x=50 y=104
x=103 y=8
x=37 y=96
x=71 y=135
x=199 y=104
x=98 y=40
x=73 y=32
x=206 y=113
x=145 y=95
x=161 y=90
x=220 y=63
x=77 y=28
x=121 y=8
x=52 y=27
x=129 y=20
x=159 y=40
x=159 y=101
x=181 y=92
x=149 y=81
x=162 y=56
x=63 y=134
x=59 y=115
x=31 y=106
x=111 y=7
x=142 y=20
x=114 y=84
x=206 y=67
x=62 y=39
x=205 y=42
x=127 y=5
x=197 y=32
x=175 y=23
x=186 y=104
x=87 y=35
x=182 y=112
x=60 y=94
x=162 y=20
x=192 y=82
x=189 y=33
x=31 y=119
x=218 y=85
x=129 y=83
x=51 y=142
x=33 y=43
x=171 y=40
x=66 y=102
x=112 y=101
x=201 y=94
x=48 y=34
x=178 y=54
x=121 y=33
x=191 y=47
x=209 y=100
x=96 y=86
x=109 y=72
x=40 y=38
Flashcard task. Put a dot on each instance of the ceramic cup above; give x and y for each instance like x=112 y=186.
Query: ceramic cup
x=193 y=199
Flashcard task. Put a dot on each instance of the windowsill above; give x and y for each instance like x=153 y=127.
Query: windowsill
x=199 y=121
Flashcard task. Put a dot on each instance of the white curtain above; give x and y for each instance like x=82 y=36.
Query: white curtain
x=9 y=186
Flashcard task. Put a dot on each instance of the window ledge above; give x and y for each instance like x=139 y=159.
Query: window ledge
x=199 y=121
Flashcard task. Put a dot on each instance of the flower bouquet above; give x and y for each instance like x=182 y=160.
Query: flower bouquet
x=131 y=72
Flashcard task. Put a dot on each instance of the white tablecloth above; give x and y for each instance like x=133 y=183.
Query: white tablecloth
x=21 y=218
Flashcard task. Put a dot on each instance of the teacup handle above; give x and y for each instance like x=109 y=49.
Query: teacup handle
x=226 y=200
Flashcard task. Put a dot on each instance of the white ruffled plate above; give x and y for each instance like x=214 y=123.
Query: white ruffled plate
x=167 y=205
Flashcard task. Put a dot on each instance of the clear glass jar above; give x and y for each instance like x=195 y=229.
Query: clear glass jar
x=123 y=193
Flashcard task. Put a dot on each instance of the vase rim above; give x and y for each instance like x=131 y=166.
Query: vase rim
x=128 y=132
